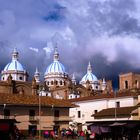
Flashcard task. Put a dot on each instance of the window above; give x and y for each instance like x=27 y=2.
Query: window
x=31 y=114
x=56 y=82
x=117 y=104
x=136 y=84
x=60 y=82
x=83 y=115
x=95 y=111
x=6 y=113
x=126 y=84
x=56 y=113
x=51 y=82
x=48 y=82
x=64 y=83
x=79 y=114
x=20 y=78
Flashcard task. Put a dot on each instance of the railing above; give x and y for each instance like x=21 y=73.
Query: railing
x=33 y=118
x=7 y=117
x=62 y=118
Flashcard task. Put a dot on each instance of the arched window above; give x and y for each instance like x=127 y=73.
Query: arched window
x=126 y=84
x=56 y=82
x=51 y=82
x=20 y=78
x=64 y=83
x=48 y=83
x=136 y=84
x=60 y=82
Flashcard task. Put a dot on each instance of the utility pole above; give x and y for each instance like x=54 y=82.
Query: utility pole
x=115 y=106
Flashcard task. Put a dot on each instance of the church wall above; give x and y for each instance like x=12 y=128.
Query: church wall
x=133 y=81
x=6 y=89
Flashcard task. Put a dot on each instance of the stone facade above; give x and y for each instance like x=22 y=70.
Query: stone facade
x=129 y=81
x=26 y=120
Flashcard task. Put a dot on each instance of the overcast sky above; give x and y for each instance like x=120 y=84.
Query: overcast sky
x=104 y=32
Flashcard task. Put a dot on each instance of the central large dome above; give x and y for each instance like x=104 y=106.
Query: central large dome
x=55 y=73
x=55 y=67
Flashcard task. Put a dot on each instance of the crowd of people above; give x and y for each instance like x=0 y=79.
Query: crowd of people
x=69 y=134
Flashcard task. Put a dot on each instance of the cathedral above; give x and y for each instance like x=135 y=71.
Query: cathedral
x=57 y=82
x=60 y=101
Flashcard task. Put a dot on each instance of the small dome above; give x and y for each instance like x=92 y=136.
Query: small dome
x=89 y=76
x=14 y=65
x=14 y=68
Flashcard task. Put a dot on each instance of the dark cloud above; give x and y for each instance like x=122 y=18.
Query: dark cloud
x=106 y=33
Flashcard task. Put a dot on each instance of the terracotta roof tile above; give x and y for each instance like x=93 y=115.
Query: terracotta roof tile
x=33 y=100
x=124 y=93
x=110 y=112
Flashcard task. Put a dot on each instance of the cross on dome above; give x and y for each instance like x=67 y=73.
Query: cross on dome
x=15 y=54
x=56 y=54
x=89 y=69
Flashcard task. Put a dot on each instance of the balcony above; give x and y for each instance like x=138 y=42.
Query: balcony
x=62 y=118
x=33 y=119
x=6 y=117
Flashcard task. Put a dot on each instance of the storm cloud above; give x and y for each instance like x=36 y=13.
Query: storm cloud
x=104 y=32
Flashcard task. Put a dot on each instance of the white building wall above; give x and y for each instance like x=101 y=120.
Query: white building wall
x=88 y=107
x=128 y=101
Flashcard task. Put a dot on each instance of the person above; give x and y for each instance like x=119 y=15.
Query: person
x=51 y=134
x=46 y=134
x=63 y=133
x=92 y=136
x=81 y=135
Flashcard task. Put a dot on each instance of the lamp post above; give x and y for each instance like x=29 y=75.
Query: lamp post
x=39 y=109
x=41 y=89
x=39 y=116
x=115 y=106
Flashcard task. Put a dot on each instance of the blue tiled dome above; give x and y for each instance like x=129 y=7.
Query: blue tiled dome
x=14 y=65
x=89 y=77
x=15 y=69
x=55 y=67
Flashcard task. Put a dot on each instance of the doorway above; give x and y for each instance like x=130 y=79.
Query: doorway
x=32 y=130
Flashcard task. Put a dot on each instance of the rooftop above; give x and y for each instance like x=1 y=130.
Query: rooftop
x=110 y=112
x=33 y=101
